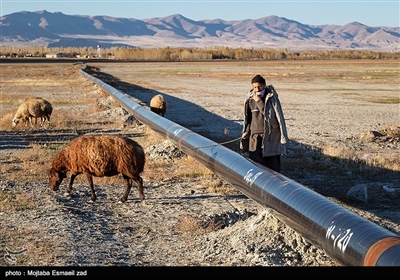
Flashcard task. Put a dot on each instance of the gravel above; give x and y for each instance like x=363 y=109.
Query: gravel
x=182 y=223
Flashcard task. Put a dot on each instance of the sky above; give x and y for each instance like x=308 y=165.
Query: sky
x=372 y=13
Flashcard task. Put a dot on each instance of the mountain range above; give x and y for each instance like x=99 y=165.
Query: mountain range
x=42 y=28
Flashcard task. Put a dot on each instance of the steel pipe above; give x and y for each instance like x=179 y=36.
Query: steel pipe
x=344 y=235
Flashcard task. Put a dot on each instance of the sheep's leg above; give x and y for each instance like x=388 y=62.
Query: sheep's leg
x=30 y=121
x=127 y=189
x=90 y=180
x=71 y=182
x=43 y=119
x=48 y=121
x=33 y=124
x=139 y=182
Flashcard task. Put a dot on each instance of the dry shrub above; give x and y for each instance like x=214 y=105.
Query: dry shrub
x=195 y=227
x=190 y=225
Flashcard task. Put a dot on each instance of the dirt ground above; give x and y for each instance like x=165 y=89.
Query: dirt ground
x=339 y=109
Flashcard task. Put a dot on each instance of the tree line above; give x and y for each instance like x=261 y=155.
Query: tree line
x=193 y=54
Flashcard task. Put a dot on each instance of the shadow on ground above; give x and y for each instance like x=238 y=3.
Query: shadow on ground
x=307 y=165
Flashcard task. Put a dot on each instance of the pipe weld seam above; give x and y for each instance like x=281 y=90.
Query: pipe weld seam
x=180 y=140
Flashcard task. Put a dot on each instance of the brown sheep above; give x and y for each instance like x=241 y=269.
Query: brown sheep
x=99 y=156
x=33 y=107
x=158 y=105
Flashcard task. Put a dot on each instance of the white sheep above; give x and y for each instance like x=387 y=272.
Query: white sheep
x=158 y=105
x=33 y=107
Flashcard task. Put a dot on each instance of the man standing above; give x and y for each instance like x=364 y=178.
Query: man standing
x=264 y=127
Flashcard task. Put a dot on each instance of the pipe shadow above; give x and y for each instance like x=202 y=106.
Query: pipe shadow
x=193 y=197
x=333 y=176
x=22 y=139
x=95 y=223
x=179 y=111
x=330 y=176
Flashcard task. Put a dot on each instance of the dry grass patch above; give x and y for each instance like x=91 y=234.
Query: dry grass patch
x=149 y=137
x=336 y=160
x=16 y=236
x=183 y=168
x=13 y=99
x=16 y=201
x=383 y=159
x=363 y=161
x=196 y=227
x=157 y=172
x=385 y=100
x=80 y=120
x=6 y=119
x=39 y=251
x=44 y=82
x=29 y=165
x=217 y=185
x=190 y=168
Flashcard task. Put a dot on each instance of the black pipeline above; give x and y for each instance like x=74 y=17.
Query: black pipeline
x=345 y=236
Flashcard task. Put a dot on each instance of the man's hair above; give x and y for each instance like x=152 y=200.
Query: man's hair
x=258 y=79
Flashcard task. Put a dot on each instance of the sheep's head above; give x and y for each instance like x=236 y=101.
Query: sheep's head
x=55 y=179
x=18 y=118
x=15 y=121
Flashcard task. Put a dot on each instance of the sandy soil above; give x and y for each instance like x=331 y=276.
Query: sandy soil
x=208 y=99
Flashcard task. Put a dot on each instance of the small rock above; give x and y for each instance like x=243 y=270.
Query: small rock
x=358 y=192
x=388 y=189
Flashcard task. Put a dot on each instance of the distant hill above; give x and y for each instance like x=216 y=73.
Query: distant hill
x=42 y=28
